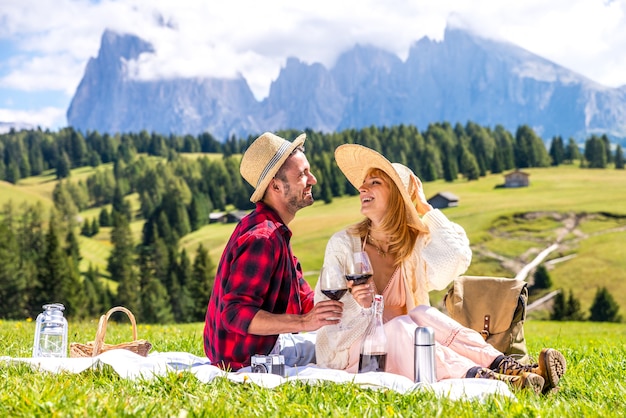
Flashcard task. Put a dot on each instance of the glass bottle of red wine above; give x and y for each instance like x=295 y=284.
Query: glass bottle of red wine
x=374 y=346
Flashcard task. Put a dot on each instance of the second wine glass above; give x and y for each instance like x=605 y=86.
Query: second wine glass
x=358 y=268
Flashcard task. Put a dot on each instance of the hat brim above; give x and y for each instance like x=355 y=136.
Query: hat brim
x=355 y=161
x=260 y=189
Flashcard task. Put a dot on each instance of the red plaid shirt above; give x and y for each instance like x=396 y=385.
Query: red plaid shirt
x=257 y=271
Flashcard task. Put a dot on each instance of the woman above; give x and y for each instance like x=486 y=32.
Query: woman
x=414 y=249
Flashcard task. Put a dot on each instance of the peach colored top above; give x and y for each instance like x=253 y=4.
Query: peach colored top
x=394 y=296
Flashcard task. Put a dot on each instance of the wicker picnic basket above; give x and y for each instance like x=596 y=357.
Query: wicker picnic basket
x=98 y=346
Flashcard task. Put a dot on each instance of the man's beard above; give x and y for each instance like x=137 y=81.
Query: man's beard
x=297 y=202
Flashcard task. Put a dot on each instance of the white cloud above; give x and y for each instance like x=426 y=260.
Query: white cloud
x=197 y=38
x=49 y=72
x=47 y=117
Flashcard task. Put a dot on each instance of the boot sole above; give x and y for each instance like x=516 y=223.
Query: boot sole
x=534 y=382
x=552 y=364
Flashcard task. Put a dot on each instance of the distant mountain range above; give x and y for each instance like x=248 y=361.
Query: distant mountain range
x=462 y=78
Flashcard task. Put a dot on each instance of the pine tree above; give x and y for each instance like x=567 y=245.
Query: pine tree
x=542 y=279
x=104 y=218
x=201 y=283
x=12 y=172
x=85 y=229
x=604 y=308
x=72 y=248
x=595 y=153
x=530 y=150
x=32 y=242
x=73 y=291
x=121 y=264
x=482 y=146
x=63 y=166
x=34 y=145
x=557 y=151
x=505 y=144
x=53 y=269
x=13 y=282
x=93 y=292
x=155 y=301
x=64 y=203
x=184 y=278
x=95 y=228
x=469 y=166
x=120 y=206
x=176 y=212
x=559 y=310
x=607 y=148
x=619 y=158
x=572 y=152
x=496 y=162
x=572 y=308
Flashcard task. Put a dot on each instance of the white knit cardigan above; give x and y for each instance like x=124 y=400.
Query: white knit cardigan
x=438 y=257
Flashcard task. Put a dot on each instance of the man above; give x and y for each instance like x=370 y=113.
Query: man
x=259 y=289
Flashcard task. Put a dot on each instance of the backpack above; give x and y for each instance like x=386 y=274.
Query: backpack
x=493 y=306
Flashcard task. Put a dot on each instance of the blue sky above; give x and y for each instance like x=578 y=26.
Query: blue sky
x=46 y=44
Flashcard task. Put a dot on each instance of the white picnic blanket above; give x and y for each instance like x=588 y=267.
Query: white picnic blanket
x=133 y=366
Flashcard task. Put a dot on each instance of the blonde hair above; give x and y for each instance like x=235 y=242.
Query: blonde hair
x=395 y=224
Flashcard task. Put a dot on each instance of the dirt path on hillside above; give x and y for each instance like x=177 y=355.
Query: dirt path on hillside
x=567 y=236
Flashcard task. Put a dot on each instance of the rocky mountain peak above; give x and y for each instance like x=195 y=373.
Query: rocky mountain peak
x=461 y=78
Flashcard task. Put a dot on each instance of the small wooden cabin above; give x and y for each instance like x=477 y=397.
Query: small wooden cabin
x=444 y=200
x=516 y=178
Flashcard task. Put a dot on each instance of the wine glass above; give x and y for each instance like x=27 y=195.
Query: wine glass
x=358 y=268
x=333 y=285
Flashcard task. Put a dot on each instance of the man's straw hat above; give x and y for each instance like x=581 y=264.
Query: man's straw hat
x=356 y=160
x=263 y=159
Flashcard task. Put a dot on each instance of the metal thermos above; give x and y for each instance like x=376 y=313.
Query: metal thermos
x=425 y=369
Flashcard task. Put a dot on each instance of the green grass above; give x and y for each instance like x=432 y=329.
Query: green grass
x=592 y=387
x=18 y=195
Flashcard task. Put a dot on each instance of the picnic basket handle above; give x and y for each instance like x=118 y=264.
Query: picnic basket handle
x=102 y=325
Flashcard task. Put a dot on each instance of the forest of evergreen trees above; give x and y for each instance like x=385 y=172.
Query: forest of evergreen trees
x=39 y=255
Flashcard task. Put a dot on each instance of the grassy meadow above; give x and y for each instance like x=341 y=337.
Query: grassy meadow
x=592 y=387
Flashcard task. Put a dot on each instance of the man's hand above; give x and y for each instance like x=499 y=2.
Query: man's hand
x=326 y=312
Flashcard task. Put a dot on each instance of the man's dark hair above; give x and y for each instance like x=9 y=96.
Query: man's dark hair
x=280 y=174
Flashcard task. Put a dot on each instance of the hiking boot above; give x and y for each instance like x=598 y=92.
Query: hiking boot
x=551 y=366
x=523 y=380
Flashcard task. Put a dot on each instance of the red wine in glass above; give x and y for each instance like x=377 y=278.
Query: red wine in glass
x=332 y=282
x=334 y=294
x=358 y=278
x=374 y=362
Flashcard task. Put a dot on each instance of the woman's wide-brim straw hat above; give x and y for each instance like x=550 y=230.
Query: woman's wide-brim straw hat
x=263 y=159
x=355 y=161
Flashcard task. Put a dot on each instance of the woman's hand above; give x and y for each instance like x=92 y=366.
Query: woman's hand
x=362 y=293
x=421 y=204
